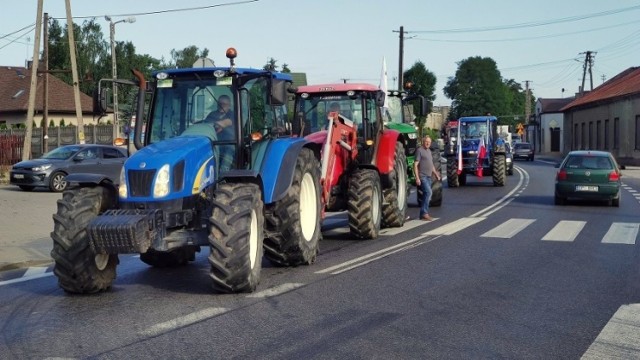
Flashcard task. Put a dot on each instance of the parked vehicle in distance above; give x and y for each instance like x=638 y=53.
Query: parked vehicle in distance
x=523 y=150
x=51 y=169
x=588 y=175
x=509 y=158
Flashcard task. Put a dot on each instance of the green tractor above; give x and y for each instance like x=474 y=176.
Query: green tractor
x=398 y=116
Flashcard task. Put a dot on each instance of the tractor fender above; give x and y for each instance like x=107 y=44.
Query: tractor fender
x=92 y=180
x=385 y=156
x=278 y=167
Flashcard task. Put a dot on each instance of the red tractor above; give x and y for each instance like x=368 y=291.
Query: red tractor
x=364 y=168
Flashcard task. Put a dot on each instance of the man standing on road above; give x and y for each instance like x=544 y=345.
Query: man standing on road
x=424 y=169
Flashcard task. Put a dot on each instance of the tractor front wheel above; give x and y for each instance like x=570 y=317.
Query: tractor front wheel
x=78 y=268
x=236 y=236
x=365 y=199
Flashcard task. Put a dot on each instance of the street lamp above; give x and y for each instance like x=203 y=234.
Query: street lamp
x=114 y=71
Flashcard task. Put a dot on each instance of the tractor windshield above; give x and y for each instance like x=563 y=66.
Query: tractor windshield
x=181 y=105
x=315 y=108
x=393 y=111
x=473 y=130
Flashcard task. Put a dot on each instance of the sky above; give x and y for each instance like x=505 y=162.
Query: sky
x=543 y=42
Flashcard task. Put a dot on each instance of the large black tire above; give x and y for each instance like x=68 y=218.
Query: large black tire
x=293 y=223
x=57 y=182
x=236 y=237
x=365 y=200
x=394 y=206
x=452 y=172
x=78 y=268
x=162 y=259
x=499 y=170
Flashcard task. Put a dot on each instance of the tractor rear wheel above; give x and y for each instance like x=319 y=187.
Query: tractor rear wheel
x=293 y=223
x=394 y=206
x=237 y=223
x=452 y=172
x=365 y=199
x=78 y=268
x=499 y=170
x=173 y=258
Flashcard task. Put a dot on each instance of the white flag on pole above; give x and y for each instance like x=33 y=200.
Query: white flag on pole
x=383 y=84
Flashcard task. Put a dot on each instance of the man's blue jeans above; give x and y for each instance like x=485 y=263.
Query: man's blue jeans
x=425 y=184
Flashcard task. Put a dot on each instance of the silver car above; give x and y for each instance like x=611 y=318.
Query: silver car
x=51 y=169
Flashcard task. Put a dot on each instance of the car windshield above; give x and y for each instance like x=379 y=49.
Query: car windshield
x=61 y=153
x=588 y=162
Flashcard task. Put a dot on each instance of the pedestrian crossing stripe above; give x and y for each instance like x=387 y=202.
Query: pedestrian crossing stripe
x=621 y=233
x=565 y=231
x=455 y=226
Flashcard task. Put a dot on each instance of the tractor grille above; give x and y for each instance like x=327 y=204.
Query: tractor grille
x=140 y=182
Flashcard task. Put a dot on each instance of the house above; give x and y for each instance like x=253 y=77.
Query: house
x=549 y=124
x=15 y=84
x=607 y=118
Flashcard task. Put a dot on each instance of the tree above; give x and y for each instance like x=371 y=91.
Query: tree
x=423 y=80
x=186 y=57
x=285 y=68
x=477 y=88
x=271 y=65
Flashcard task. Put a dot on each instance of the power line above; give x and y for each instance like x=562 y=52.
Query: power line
x=529 y=24
x=168 y=11
x=529 y=37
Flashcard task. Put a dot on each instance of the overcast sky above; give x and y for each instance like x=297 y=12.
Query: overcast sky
x=541 y=41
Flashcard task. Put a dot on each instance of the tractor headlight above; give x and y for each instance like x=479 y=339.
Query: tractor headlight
x=123 y=191
x=161 y=187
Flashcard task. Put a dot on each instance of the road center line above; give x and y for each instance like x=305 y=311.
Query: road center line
x=274 y=291
x=183 y=321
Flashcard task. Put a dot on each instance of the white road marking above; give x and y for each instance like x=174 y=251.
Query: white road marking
x=455 y=226
x=621 y=233
x=24 y=278
x=35 y=270
x=375 y=255
x=509 y=228
x=408 y=225
x=620 y=338
x=183 y=321
x=565 y=231
x=274 y=291
x=505 y=200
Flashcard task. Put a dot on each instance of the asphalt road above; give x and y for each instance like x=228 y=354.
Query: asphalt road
x=500 y=273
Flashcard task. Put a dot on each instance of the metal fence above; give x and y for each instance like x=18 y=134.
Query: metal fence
x=12 y=140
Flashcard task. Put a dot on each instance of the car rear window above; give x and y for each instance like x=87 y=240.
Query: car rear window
x=589 y=162
x=523 y=146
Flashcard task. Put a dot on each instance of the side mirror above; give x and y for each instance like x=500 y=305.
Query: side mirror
x=278 y=95
x=100 y=103
x=380 y=96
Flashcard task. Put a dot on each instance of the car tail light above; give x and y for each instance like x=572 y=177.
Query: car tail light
x=614 y=176
x=562 y=175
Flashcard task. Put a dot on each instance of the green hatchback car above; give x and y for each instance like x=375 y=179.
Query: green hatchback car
x=588 y=175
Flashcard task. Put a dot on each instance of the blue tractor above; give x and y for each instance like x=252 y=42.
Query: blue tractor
x=476 y=149
x=216 y=166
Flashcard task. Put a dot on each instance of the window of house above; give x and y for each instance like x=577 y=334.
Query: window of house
x=598 y=131
x=637 y=132
x=591 y=135
x=576 y=138
x=583 y=140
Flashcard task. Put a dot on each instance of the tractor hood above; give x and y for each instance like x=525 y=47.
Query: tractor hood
x=401 y=127
x=192 y=167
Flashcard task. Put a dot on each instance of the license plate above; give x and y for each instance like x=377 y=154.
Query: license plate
x=18 y=176
x=586 y=188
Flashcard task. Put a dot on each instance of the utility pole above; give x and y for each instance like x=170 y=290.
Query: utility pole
x=26 y=147
x=74 y=73
x=45 y=97
x=527 y=101
x=588 y=62
x=401 y=55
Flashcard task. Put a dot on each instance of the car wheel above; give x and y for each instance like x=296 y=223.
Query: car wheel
x=559 y=200
x=616 y=202
x=57 y=182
